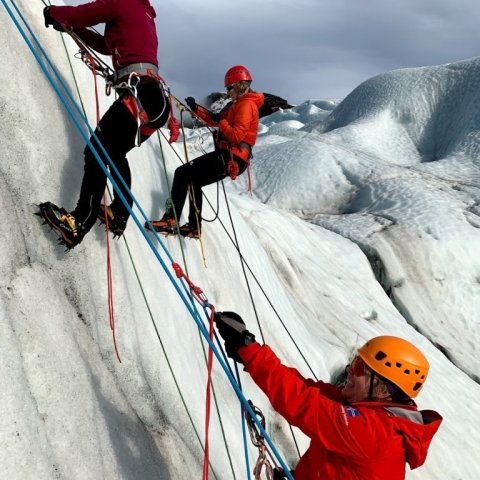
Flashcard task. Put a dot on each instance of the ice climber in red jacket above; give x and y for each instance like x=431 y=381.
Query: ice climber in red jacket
x=130 y=38
x=368 y=429
x=235 y=138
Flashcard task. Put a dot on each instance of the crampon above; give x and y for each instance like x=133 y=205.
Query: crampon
x=64 y=224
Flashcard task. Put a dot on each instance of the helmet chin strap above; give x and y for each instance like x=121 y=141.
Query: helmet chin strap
x=370 y=389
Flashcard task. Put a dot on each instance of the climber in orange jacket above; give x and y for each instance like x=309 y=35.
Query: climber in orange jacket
x=368 y=429
x=237 y=133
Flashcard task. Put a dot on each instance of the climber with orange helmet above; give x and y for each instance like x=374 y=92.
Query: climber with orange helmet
x=236 y=135
x=367 y=429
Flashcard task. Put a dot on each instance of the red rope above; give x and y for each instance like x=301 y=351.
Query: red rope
x=111 y=314
x=173 y=125
x=198 y=294
x=97 y=103
x=208 y=400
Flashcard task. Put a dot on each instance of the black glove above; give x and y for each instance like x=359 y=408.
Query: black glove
x=216 y=117
x=232 y=329
x=50 y=21
x=192 y=104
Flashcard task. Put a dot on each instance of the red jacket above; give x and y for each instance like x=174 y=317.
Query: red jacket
x=130 y=33
x=362 y=441
x=239 y=123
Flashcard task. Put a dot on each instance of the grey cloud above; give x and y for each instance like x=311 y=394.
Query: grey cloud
x=307 y=49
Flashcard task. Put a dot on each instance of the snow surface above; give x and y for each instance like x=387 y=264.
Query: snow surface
x=364 y=220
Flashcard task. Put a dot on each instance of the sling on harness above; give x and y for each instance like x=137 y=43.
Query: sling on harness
x=135 y=107
x=232 y=167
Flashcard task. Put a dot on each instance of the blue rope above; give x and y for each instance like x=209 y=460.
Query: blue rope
x=244 y=427
x=194 y=313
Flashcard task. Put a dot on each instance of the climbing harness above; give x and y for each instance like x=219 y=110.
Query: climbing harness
x=132 y=102
x=122 y=80
x=140 y=69
x=232 y=166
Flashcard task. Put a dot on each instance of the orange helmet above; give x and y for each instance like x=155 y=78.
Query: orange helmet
x=398 y=361
x=237 y=74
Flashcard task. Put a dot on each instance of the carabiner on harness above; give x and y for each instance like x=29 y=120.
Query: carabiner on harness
x=259 y=441
x=132 y=102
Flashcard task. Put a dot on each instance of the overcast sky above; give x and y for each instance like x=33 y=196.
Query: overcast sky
x=308 y=49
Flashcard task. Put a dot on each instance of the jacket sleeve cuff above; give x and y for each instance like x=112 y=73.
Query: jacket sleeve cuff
x=247 y=353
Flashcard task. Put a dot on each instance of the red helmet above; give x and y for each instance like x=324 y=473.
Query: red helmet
x=237 y=74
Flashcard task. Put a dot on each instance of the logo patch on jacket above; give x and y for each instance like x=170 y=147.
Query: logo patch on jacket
x=352 y=412
x=347 y=413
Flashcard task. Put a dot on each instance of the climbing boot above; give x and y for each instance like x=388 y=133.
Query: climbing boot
x=166 y=225
x=64 y=223
x=117 y=223
x=188 y=231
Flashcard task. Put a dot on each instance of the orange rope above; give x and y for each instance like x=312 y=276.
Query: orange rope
x=208 y=401
x=111 y=314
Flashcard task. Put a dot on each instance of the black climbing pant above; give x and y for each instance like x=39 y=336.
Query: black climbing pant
x=117 y=132
x=194 y=175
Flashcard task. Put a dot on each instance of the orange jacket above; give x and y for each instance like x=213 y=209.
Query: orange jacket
x=239 y=123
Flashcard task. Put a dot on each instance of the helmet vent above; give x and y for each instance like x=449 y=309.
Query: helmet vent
x=388 y=364
x=417 y=386
x=417 y=372
x=406 y=371
x=380 y=355
x=398 y=365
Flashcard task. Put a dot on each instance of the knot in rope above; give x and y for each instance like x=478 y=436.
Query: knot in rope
x=197 y=290
x=172 y=124
x=174 y=128
x=88 y=60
